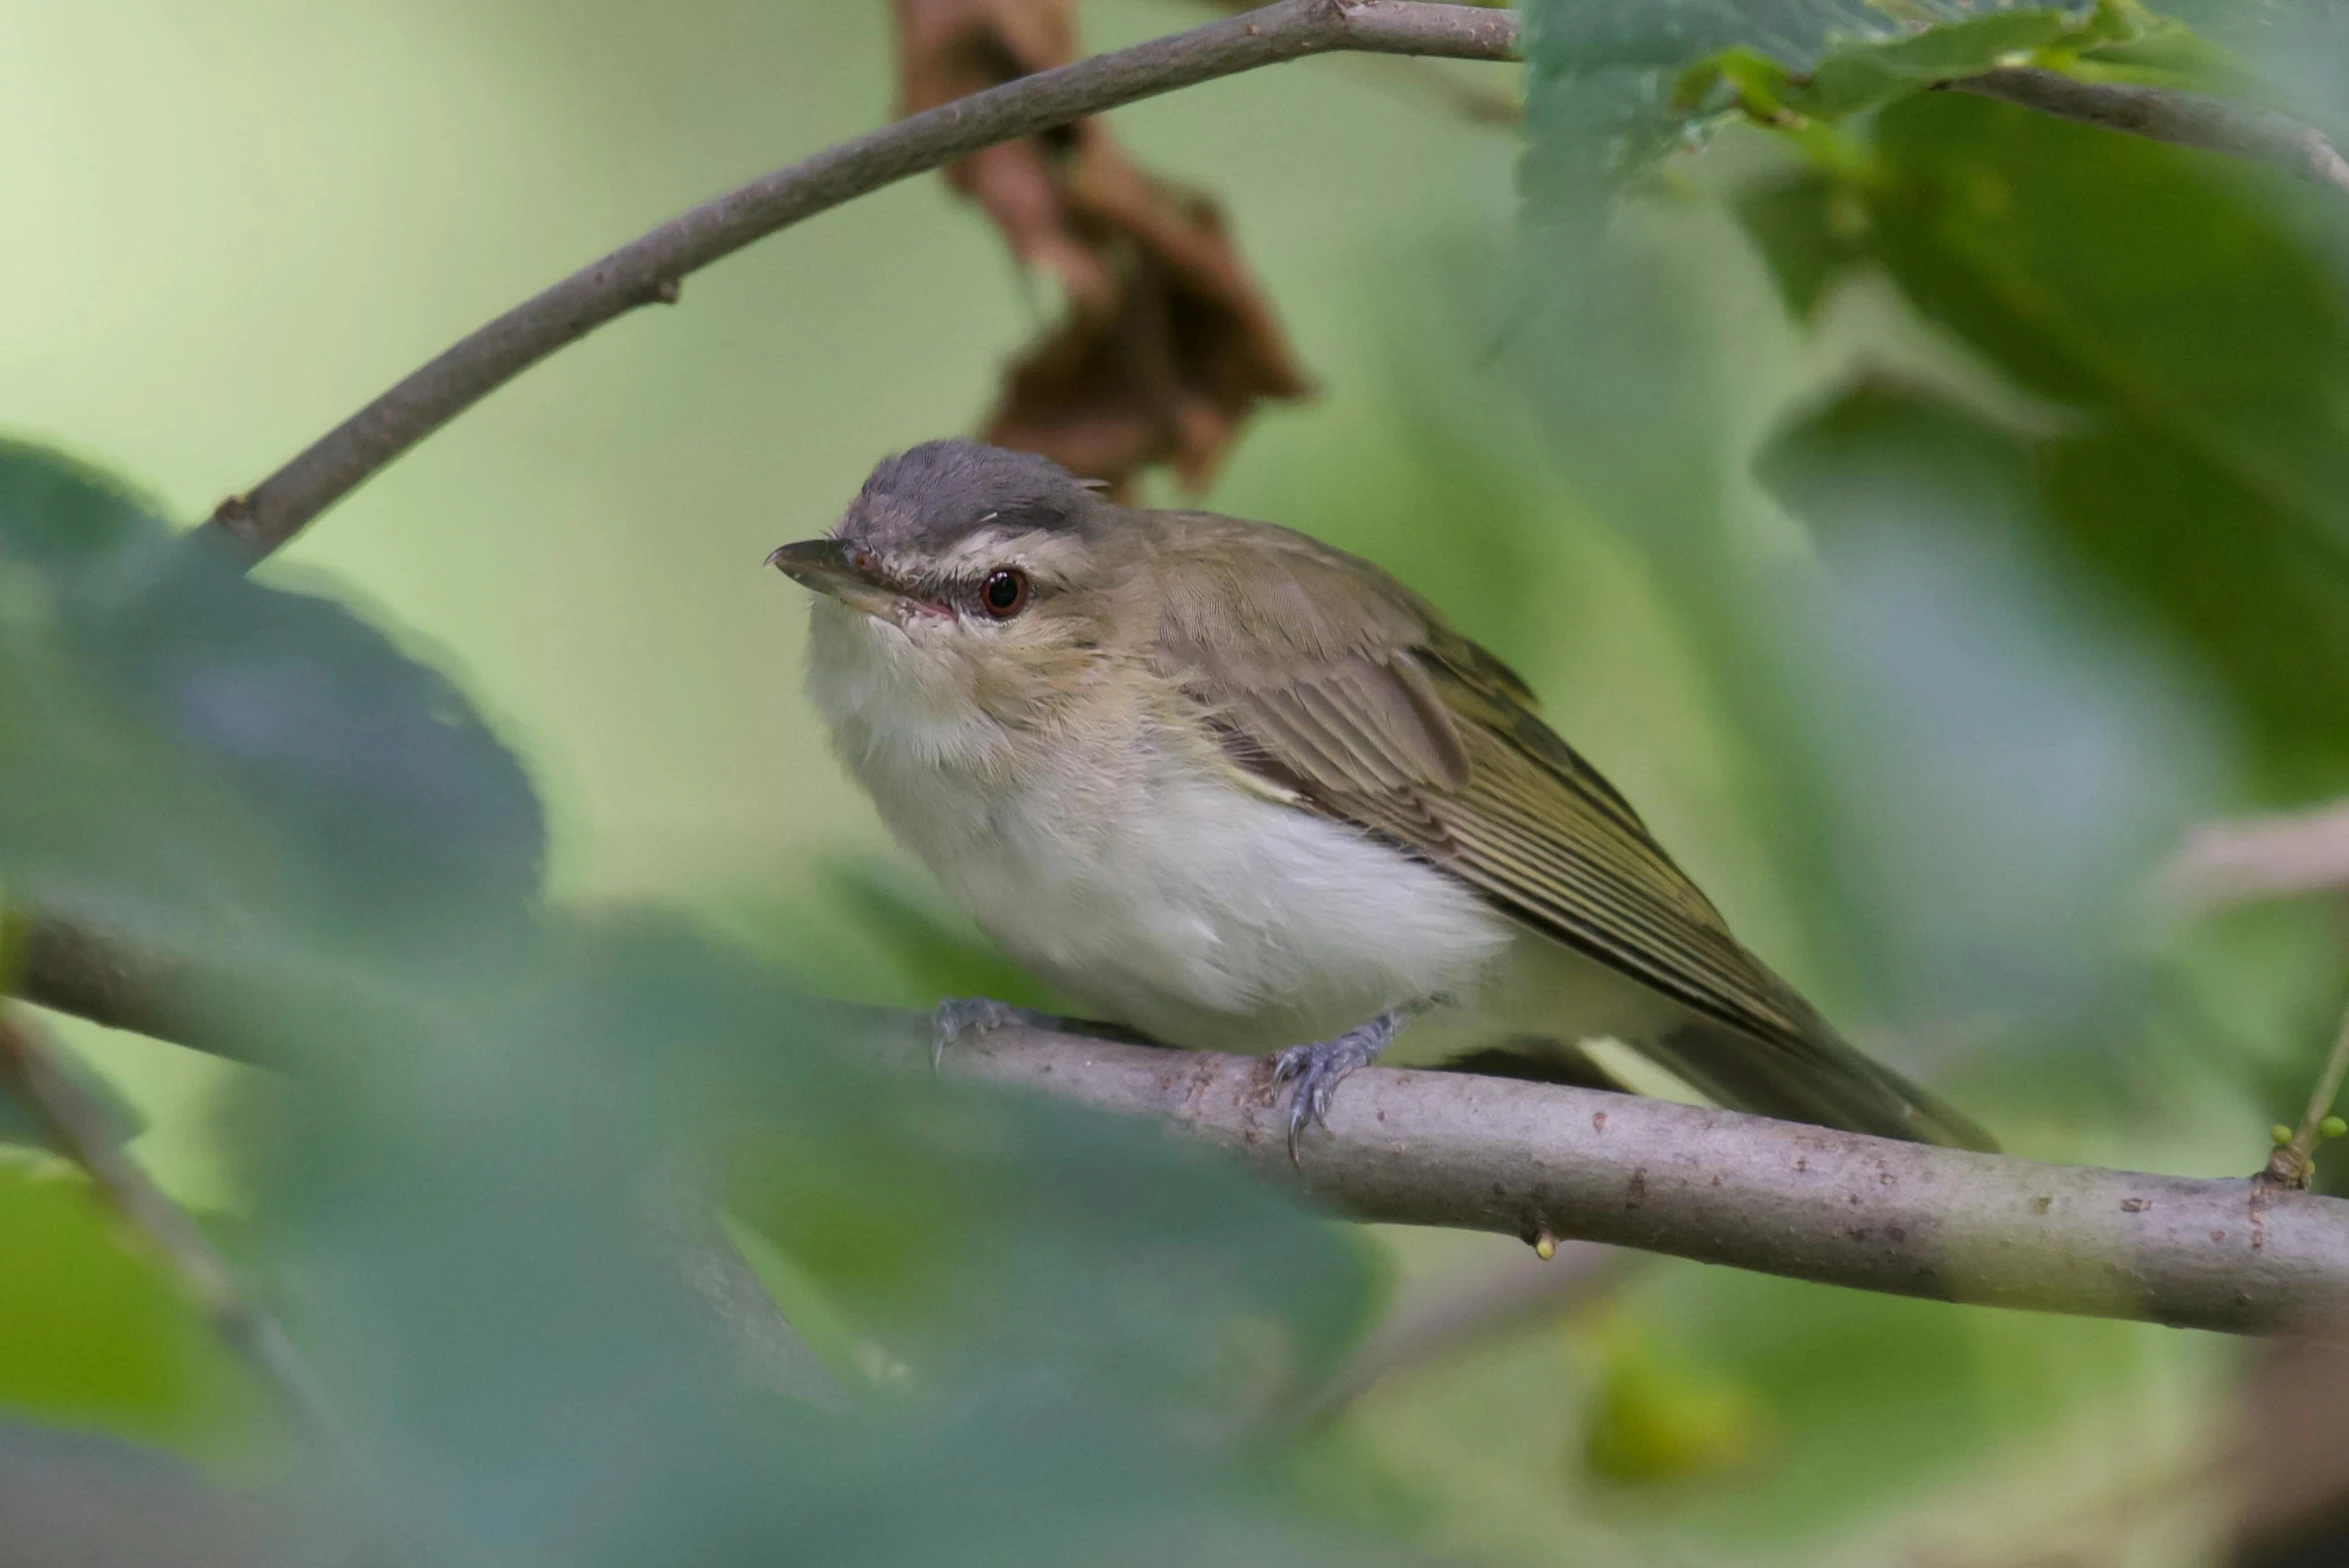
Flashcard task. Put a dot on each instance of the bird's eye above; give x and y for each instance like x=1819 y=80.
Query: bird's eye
x=1005 y=592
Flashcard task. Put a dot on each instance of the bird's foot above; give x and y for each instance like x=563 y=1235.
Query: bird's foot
x=1316 y=1070
x=953 y=1021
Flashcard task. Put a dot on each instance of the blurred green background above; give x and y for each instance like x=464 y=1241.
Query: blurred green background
x=1933 y=802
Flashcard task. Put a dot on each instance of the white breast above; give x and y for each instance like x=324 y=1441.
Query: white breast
x=1136 y=877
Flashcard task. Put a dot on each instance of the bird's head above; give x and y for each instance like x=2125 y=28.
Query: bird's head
x=970 y=574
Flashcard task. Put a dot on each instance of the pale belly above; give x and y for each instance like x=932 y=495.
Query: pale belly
x=1209 y=917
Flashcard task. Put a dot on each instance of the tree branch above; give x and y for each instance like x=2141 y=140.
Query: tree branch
x=2167 y=115
x=648 y=269
x=1424 y=1148
x=1533 y=1160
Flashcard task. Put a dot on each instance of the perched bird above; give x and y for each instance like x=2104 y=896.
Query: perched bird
x=1236 y=789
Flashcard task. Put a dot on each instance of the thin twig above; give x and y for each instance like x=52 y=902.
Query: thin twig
x=2294 y=1162
x=1481 y=105
x=648 y=269
x=2167 y=115
x=2244 y=859
x=82 y=1129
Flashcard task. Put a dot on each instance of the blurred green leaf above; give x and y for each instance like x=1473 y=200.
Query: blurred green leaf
x=91 y=1334
x=875 y=930
x=2263 y=605
x=1616 y=82
x=2291 y=54
x=1660 y=1415
x=63 y=517
x=2114 y=41
x=2025 y=753
x=1854 y=78
x=1811 y=230
x=2163 y=52
x=2125 y=275
x=1868 y=1397
x=939 y=951
x=1073 y=1300
x=180 y=738
x=2201 y=344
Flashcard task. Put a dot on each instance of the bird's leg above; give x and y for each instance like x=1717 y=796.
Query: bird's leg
x=1317 y=1069
x=951 y=1020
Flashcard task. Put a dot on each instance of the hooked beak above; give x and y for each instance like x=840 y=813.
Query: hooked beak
x=844 y=571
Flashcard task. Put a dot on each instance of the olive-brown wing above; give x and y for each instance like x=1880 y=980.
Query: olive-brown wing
x=1385 y=744
x=1455 y=768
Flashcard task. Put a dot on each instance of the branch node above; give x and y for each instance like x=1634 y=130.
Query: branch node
x=235 y=515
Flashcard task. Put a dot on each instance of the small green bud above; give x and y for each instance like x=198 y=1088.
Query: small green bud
x=2332 y=1127
x=2281 y=1133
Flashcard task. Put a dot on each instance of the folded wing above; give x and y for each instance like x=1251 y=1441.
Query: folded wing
x=1389 y=719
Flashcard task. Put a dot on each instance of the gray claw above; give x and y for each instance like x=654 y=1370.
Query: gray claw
x=1319 y=1068
x=965 y=1015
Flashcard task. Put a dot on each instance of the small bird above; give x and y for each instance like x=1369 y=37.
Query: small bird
x=1238 y=790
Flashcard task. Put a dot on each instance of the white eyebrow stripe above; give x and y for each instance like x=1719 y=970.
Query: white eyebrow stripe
x=997 y=547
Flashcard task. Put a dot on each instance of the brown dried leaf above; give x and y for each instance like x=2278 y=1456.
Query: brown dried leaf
x=1166 y=344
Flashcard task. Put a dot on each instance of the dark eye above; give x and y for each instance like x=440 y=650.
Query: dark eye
x=1005 y=592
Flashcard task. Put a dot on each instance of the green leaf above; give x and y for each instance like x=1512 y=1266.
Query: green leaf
x=1854 y=78
x=2196 y=336
x=2162 y=53
x=1660 y=1415
x=2117 y=272
x=1996 y=734
x=1811 y=230
x=940 y=953
x=158 y=710
x=1059 y=1307
x=62 y=516
x=2240 y=581
x=90 y=1333
x=1859 y=77
x=1615 y=83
